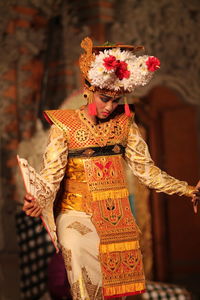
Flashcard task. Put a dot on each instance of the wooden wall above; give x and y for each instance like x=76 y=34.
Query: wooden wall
x=173 y=140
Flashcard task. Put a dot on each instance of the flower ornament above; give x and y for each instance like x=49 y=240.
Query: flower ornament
x=153 y=63
x=121 y=70
x=114 y=69
x=110 y=62
x=120 y=67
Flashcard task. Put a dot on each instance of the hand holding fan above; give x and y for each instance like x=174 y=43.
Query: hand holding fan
x=40 y=189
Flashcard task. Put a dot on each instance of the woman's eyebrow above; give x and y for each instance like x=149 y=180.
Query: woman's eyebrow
x=105 y=96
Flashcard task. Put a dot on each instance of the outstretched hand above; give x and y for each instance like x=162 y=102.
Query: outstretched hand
x=31 y=207
x=196 y=197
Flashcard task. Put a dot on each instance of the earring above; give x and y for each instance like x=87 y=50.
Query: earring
x=126 y=107
x=89 y=95
x=92 y=109
x=85 y=94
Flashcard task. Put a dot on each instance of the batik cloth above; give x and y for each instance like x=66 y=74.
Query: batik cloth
x=35 y=252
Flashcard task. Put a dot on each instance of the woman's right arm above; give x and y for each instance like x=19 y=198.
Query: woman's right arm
x=53 y=170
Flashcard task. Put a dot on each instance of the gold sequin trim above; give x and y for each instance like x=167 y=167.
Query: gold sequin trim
x=81 y=135
x=67 y=256
x=76 y=291
x=116 y=149
x=88 y=152
x=82 y=229
x=84 y=285
x=91 y=288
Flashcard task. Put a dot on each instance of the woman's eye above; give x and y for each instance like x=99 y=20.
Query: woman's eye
x=104 y=99
x=116 y=100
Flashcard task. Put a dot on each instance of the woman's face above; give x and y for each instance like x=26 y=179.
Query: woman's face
x=105 y=105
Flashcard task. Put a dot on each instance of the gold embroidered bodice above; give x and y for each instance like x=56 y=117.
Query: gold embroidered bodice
x=83 y=133
x=103 y=144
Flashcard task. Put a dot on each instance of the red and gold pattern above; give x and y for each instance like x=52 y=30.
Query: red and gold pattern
x=122 y=273
x=110 y=214
x=105 y=177
x=119 y=250
x=82 y=133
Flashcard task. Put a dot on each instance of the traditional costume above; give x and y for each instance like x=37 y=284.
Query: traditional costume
x=96 y=230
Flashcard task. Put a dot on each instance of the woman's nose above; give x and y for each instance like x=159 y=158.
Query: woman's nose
x=109 y=105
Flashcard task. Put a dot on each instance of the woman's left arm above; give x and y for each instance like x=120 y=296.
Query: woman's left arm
x=196 y=197
x=138 y=158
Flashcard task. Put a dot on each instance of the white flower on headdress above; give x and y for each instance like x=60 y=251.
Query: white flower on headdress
x=116 y=69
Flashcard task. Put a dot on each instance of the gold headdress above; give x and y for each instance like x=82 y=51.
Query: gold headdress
x=114 y=69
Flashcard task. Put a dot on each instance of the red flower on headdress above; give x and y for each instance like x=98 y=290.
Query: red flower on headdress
x=110 y=62
x=153 y=63
x=121 y=70
x=120 y=67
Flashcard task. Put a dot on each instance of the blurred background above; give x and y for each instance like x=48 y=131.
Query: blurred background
x=39 y=51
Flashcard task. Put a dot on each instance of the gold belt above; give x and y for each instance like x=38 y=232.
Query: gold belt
x=76 y=197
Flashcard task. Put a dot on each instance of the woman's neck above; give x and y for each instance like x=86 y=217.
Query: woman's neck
x=93 y=119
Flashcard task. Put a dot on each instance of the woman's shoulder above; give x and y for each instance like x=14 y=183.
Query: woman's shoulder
x=59 y=115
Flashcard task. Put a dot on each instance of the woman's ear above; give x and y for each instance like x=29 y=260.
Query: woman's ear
x=85 y=94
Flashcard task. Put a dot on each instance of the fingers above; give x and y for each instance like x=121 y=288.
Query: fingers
x=28 y=205
x=197 y=193
x=28 y=198
x=31 y=207
x=195 y=200
x=30 y=210
x=28 y=202
x=195 y=208
x=198 y=185
x=34 y=212
x=37 y=212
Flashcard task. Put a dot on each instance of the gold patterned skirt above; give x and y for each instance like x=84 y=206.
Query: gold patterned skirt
x=79 y=243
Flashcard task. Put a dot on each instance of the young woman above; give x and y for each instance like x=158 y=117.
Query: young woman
x=84 y=157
